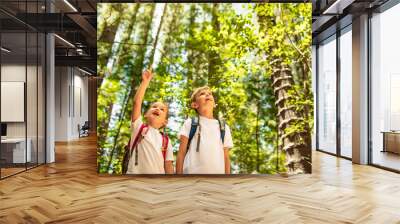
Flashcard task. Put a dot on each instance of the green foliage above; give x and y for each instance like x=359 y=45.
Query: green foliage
x=200 y=44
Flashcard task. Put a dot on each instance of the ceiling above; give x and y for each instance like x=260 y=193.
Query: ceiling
x=331 y=15
x=74 y=22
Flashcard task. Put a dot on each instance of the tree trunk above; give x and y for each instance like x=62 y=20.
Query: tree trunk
x=294 y=143
x=153 y=51
x=107 y=34
x=307 y=95
x=124 y=47
x=258 y=138
x=293 y=131
x=142 y=51
x=277 y=143
x=102 y=131
x=121 y=116
x=214 y=59
x=170 y=42
x=191 y=57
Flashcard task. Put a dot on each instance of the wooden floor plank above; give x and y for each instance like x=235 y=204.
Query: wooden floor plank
x=70 y=191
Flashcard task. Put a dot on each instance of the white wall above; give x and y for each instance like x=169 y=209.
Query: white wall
x=61 y=103
x=360 y=90
x=50 y=96
x=80 y=109
x=71 y=94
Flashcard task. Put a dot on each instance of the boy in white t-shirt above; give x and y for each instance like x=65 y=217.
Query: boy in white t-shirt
x=147 y=157
x=208 y=151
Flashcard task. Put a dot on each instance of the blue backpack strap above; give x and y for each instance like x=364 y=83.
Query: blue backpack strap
x=193 y=128
x=222 y=130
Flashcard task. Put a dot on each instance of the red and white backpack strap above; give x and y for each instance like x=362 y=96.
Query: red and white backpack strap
x=143 y=129
x=136 y=140
x=165 y=141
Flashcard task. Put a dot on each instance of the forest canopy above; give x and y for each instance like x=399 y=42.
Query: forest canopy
x=255 y=57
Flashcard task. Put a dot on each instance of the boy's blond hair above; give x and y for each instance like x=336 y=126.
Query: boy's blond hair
x=197 y=91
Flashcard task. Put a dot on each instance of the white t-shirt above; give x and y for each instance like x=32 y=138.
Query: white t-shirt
x=150 y=157
x=210 y=157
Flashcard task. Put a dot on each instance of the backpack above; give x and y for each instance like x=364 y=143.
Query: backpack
x=193 y=128
x=130 y=148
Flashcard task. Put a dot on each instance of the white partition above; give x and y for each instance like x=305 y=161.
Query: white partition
x=12 y=101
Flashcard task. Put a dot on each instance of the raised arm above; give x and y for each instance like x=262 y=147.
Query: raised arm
x=181 y=154
x=138 y=99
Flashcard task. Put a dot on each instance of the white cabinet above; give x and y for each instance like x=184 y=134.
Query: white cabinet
x=18 y=149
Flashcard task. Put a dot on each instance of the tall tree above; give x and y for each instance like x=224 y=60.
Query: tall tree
x=214 y=60
x=292 y=128
x=109 y=20
x=124 y=46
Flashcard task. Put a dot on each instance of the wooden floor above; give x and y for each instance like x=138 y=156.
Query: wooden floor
x=387 y=159
x=10 y=171
x=70 y=191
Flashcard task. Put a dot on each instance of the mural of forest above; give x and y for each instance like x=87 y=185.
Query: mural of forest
x=255 y=57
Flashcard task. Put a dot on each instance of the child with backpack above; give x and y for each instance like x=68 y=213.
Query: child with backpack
x=148 y=151
x=205 y=141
